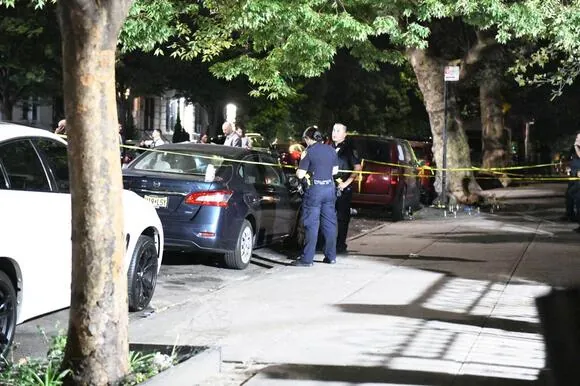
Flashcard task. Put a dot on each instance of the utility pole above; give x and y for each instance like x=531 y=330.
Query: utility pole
x=451 y=75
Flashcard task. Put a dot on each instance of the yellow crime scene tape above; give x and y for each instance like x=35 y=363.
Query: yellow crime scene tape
x=497 y=171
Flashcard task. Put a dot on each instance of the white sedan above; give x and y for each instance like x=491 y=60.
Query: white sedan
x=35 y=229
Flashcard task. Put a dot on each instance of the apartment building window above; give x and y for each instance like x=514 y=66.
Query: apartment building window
x=149 y=119
x=30 y=109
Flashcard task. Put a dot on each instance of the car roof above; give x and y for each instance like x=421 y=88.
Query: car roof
x=12 y=130
x=372 y=137
x=208 y=148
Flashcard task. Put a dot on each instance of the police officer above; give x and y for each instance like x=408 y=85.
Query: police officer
x=573 y=192
x=349 y=164
x=320 y=162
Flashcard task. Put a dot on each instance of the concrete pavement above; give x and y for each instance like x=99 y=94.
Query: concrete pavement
x=439 y=301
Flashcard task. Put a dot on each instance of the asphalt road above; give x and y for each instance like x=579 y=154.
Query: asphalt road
x=182 y=278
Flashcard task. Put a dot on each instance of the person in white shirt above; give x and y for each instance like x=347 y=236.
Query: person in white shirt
x=232 y=138
x=246 y=142
x=155 y=141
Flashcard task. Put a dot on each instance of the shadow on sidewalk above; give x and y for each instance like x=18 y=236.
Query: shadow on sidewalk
x=380 y=375
x=441 y=316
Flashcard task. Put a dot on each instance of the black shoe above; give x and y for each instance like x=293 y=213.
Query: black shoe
x=300 y=263
x=577 y=230
x=328 y=261
x=341 y=251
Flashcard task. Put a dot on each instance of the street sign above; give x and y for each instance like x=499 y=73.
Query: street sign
x=451 y=73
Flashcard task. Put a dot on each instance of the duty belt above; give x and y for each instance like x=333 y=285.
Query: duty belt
x=322 y=182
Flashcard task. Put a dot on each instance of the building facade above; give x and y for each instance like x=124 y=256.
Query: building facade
x=162 y=112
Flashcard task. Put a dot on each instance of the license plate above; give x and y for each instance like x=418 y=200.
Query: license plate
x=157 y=201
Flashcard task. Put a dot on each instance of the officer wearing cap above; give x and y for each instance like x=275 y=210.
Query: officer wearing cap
x=348 y=164
x=320 y=162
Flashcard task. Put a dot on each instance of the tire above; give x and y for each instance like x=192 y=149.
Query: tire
x=142 y=273
x=240 y=257
x=8 y=313
x=400 y=206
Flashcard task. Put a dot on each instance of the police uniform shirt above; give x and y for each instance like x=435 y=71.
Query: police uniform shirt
x=347 y=158
x=319 y=160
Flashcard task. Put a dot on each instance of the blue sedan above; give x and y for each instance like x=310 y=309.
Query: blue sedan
x=217 y=198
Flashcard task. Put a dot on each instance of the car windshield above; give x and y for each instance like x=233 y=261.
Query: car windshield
x=372 y=149
x=420 y=152
x=258 y=141
x=179 y=162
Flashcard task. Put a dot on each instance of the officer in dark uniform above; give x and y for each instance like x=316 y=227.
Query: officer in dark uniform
x=349 y=164
x=573 y=192
x=320 y=163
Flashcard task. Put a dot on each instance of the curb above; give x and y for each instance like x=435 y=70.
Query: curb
x=192 y=371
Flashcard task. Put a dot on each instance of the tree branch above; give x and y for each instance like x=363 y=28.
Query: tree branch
x=485 y=40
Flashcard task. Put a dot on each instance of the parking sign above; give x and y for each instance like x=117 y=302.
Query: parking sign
x=451 y=73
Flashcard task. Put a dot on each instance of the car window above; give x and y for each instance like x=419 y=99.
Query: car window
x=372 y=149
x=409 y=154
x=3 y=182
x=56 y=155
x=23 y=167
x=251 y=172
x=400 y=153
x=420 y=152
x=178 y=162
x=272 y=176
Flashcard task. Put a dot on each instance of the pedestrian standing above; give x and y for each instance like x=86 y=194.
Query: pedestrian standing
x=155 y=141
x=573 y=191
x=246 y=142
x=232 y=138
x=320 y=163
x=348 y=164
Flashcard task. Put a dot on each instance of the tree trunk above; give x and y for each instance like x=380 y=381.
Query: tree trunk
x=429 y=72
x=493 y=134
x=97 y=346
x=7 y=107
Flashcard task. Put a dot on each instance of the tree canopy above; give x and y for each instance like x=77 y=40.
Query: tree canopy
x=29 y=55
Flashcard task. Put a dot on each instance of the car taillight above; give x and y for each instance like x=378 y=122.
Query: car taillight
x=209 y=198
x=295 y=155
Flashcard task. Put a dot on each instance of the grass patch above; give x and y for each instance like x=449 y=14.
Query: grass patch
x=47 y=371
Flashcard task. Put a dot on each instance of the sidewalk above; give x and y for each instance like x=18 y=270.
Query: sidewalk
x=529 y=191
x=425 y=302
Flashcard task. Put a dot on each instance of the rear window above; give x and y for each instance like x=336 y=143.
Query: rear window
x=180 y=163
x=373 y=150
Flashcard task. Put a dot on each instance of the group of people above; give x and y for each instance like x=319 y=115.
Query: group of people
x=330 y=171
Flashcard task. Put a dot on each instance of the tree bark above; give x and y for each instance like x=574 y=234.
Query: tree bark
x=97 y=346
x=492 y=124
x=7 y=107
x=429 y=72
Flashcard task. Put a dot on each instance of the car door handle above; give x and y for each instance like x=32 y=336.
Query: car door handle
x=269 y=199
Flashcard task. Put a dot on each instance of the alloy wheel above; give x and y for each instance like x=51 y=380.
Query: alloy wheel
x=146 y=277
x=7 y=319
x=246 y=245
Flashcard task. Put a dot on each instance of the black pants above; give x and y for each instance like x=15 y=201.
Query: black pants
x=343 y=218
x=572 y=199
